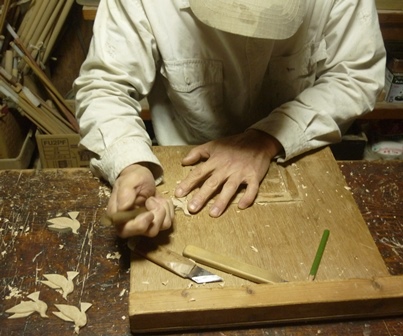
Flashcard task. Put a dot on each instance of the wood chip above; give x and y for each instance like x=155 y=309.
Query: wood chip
x=26 y=308
x=73 y=314
x=181 y=203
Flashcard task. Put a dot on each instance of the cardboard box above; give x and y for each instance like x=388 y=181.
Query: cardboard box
x=393 y=87
x=394 y=79
x=61 y=151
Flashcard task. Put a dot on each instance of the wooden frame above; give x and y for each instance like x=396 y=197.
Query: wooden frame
x=265 y=304
x=354 y=281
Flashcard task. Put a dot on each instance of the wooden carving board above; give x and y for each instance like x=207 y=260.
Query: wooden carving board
x=280 y=232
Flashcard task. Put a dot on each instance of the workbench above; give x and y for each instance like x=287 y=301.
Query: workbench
x=29 y=198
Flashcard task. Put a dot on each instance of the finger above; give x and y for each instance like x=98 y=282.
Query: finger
x=137 y=226
x=195 y=155
x=249 y=196
x=201 y=197
x=169 y=216
x=125 y=198
x=194 y=179
x=163 y=213
x=224 y=198
x=112 y=203
x=171 y=209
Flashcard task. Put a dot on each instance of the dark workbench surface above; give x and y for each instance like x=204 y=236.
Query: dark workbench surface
x=29 y=250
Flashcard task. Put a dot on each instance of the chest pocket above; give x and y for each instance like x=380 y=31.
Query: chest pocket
x=289 y=75
x=195 y=90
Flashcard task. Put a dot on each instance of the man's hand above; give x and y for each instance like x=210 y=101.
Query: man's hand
x=136 y=187
x=229 y=163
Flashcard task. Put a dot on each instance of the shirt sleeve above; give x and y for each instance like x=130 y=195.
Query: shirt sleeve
x=118 y=72
x=348 y=81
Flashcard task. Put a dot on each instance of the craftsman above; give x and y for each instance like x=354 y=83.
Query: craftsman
x=248 y=81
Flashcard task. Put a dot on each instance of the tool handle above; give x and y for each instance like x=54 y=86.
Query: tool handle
x=230 y=265
x=122 y=217
x=167 y=259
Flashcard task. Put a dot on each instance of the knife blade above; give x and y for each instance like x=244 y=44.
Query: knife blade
x=171 y=260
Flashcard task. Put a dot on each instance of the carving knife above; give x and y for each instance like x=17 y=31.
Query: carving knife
x=232 y=266
x=171 y=261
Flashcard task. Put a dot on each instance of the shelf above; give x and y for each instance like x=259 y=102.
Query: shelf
x=384 y=110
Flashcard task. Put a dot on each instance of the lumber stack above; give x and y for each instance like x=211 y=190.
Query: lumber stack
x=28 y=33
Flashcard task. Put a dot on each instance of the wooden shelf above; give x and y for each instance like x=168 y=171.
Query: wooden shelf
x=384 y=110
x=89 y=12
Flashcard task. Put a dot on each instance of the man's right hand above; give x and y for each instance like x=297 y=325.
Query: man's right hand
x=135 y=187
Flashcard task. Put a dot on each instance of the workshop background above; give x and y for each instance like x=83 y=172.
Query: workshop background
x=44 y=43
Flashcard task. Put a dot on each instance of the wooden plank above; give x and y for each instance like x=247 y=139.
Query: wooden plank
x=89 y=12
x=389 y=4
x=280 y=233
x=194 y=308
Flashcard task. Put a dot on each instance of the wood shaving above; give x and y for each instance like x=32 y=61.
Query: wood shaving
x=14 y=293
x=26 y=308
x=254 y=249
x=65 y=224
x=61 y=284
x=114 y=255
x=73 y=314
x=182 y=204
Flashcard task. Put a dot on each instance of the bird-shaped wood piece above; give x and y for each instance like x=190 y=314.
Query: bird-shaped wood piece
x=65 y=224
x=73 y=314
x=26 y=308
x=63 y=285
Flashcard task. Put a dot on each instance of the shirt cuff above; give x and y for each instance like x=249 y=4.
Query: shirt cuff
x=286 y=131
x=122 y=154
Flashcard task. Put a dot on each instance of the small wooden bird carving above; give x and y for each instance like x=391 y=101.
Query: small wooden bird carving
x=65 y=224
x=63 y=285
x=26 y=308
x=73 y=314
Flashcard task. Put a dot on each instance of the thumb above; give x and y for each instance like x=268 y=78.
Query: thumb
x=195 y=155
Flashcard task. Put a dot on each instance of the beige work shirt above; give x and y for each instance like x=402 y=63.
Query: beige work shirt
x=203 y=84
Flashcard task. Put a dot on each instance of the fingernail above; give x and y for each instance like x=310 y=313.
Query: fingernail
x=214 y=211
x=192 y=207
x=179 y=192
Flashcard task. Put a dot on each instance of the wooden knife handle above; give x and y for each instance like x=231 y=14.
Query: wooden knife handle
x=163 y=257
x=230 y=265
x=122 y=217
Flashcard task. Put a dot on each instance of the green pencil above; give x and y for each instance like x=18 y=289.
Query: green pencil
x=318 y=256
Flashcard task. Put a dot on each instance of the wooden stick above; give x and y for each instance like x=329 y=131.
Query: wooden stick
x=318 y=256
x=41 y=114
x=4 y=13
x=44 y=20
x=29 y=17
x=59 y=100
x=46 y=30
x=122 y=217
x=57 y=29
x=32 y=20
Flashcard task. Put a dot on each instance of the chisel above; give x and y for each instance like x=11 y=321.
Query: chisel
x=171 y=260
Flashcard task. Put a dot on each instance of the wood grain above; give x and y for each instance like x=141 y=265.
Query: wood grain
x=281 y=236
x=28 y=250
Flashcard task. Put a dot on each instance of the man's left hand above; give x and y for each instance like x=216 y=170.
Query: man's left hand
x=228 y=163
